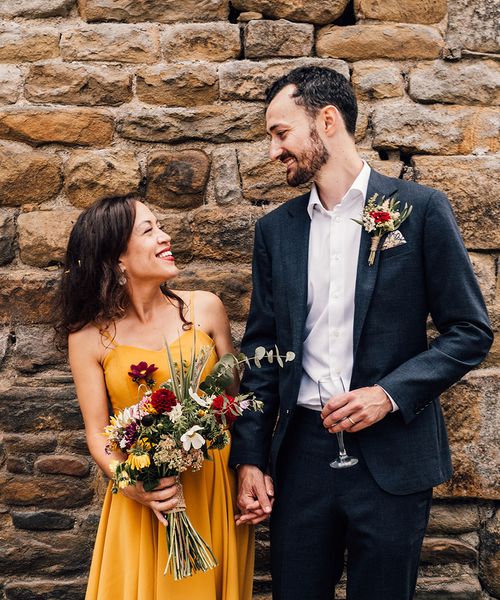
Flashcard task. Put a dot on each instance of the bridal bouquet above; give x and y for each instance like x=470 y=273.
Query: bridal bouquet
x=171 y=428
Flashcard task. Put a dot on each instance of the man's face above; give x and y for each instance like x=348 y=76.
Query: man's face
x=294 y=138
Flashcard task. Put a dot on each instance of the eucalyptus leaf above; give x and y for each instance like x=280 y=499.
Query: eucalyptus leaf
x=260 y=352
x=278 y=357
x=289 y=356
x=270 y=357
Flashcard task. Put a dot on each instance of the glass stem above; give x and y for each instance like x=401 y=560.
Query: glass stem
x=340 y=438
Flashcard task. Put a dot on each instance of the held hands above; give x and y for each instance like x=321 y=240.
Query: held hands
x=355 y=410
x=160 y=500
x=255 y=495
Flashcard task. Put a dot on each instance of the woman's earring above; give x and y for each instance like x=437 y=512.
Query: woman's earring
x=122 y=279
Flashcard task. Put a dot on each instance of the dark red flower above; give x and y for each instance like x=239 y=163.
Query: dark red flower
x=142 y=371
x=380 y=216
x=163 y=400
x=225 y=405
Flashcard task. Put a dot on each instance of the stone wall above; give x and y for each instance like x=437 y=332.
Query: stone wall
x=165 y=99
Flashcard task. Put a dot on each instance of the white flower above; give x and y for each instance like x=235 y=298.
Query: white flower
x=192 y=438
x=244 y=404
x=175 y=414
x=203 y=402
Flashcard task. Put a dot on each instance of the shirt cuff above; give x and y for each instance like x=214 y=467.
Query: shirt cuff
x=395 y=407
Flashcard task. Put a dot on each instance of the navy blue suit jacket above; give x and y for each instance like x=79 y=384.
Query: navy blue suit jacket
x=431 y=274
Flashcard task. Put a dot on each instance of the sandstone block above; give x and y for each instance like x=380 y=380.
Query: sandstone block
x=26 y=297
x=178 y=228
x=20 y=465
x=473 y=25
x=64 y=126
x=73 y=441
x=365 y=110
x=111 y=42
x=360 y=42
x=20 y=44
x=439 y=550
x=43 y=235
x=92 y=175
x=248 y=80
x=4 y=344
x=310 y=11
x=7 y=236
x=45 y=492
x=42 y=590
x=178 y=84
x=71 y=84
x=245 y=17
x=463 y=587
x=391 y=168
x=411 y=11
x=63 y=464
x=217 y=123
x=177 y=179
x=226 y=176
x=377 y=80
x=196 y=41
x=473 y=186
x=10 y=84
x=16 y=443
x=162 y=11
x=36 y=347
x=278 y=38
x=489 y=565
x=435 y=130
x=44 y=520
x=466 y=82
x=35 y=9
x=453 y=518
x=28 y=177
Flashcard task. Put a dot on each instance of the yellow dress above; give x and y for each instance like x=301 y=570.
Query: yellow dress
x=130 y=549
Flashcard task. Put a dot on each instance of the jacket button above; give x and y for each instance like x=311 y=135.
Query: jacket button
x=287 y=411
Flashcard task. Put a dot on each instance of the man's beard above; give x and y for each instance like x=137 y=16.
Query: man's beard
x=309 y=162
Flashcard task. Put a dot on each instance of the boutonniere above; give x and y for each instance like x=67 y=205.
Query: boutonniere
x=379 y=218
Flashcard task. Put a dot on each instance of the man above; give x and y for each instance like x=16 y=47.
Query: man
x=317 y=294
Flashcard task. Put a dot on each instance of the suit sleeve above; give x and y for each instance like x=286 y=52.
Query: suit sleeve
x=457 y=309
x=252 y=432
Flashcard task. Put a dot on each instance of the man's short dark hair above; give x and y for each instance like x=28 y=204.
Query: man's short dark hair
x=317 y=87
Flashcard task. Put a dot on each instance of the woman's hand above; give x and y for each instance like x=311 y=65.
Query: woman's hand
x=160 y=500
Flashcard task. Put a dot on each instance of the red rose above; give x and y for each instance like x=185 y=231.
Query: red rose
x=163 y=400
x=225 y=405
x=380 y=216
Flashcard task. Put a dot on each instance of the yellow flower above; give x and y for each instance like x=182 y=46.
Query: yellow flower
x=124 y=482
x=113 y=465
x=201 y=413
x=150 y=409
x=138 y=460
x=145 y=444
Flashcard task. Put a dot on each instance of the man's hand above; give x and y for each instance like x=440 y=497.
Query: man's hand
x=356 y=410
x=255 y=495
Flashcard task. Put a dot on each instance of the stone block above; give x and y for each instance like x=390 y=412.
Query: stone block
x=446 y=518
x=60 y=83
x=73 y=441
x=248 y=80
x=28 y=177
x=442 y=550
x=199 y=41
x=18 y=443
x=36 y=346
x=20 y=464
x=162 y=11
x=463 y=587
x=177 y=179
x=44 y=520
x=473 y=25
x=44 y=492
x=178 y=228
x=35 y=9
x=43 y=235
x=281 y=38
x=20 y=44
x=465 y=82
x=226 y=176
x=4 y=344
x=473 y=185
x=7 y=236
x=92 y=175
x=27 y=296
x=221 y=123
x=44 y=589
x=489 y=564
x=10 y=84
x=111 y=42
x=391 y=168
x=178 y=84
x=36 y=126
x=311 y=11
x=377 y=80
x=361 y=42
x=63 y=464
x=411 y=11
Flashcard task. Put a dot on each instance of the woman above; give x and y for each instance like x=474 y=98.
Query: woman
x=117 y=312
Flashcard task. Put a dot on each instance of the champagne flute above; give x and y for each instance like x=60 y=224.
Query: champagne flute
x=327 y=388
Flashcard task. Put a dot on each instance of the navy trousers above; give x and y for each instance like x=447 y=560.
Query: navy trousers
x=321 y=512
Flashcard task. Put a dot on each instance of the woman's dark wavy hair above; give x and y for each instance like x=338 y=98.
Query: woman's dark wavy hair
x=90 y=290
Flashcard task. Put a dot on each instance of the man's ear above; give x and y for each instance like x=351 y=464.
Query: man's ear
x=330 y=120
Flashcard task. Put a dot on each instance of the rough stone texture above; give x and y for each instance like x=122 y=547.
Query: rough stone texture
x=278 y=38
x=112 y=42
x=35 y=9
x=177 y=179
x=248 y=80
x=447 y=550
x=473 y=186
x=473 y=25
x=45 y=492
x=178 y=228
x=68 y=84
x=451 y=83
x=4 y=344
x=16 y=443
x=19 y=44
x=310 y=11
x=43 y=235
x=38 y=126
x=391 y=168
x=410 y=11
x=42 y=590
x=464 y=587
x=360 y=42
x=26 y=297
x=435 y=130
x=377 y=80
x=92 y=175
x=489 y=566
x=163 y=11
x=215 y=123
x=10 y=84
x=7 y=236
x=46 y=520
x=226 y=176
x=27 y=176
x=35 y=347
x=63 y=464
x=453 y=518
x=178 y=84
x=197 y=41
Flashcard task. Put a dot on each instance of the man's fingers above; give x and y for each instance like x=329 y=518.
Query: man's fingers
x=262 y=497
x=269 y=486
x=336 y=402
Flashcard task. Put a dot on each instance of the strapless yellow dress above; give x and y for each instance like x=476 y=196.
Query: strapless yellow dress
x=130 y=551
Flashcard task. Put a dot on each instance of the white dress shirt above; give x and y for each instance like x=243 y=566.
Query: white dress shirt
x=332 y=266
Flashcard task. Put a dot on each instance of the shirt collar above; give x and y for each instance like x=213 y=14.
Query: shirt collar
x=359 y=186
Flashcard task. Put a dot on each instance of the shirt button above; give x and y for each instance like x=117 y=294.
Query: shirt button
x=337 y=219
